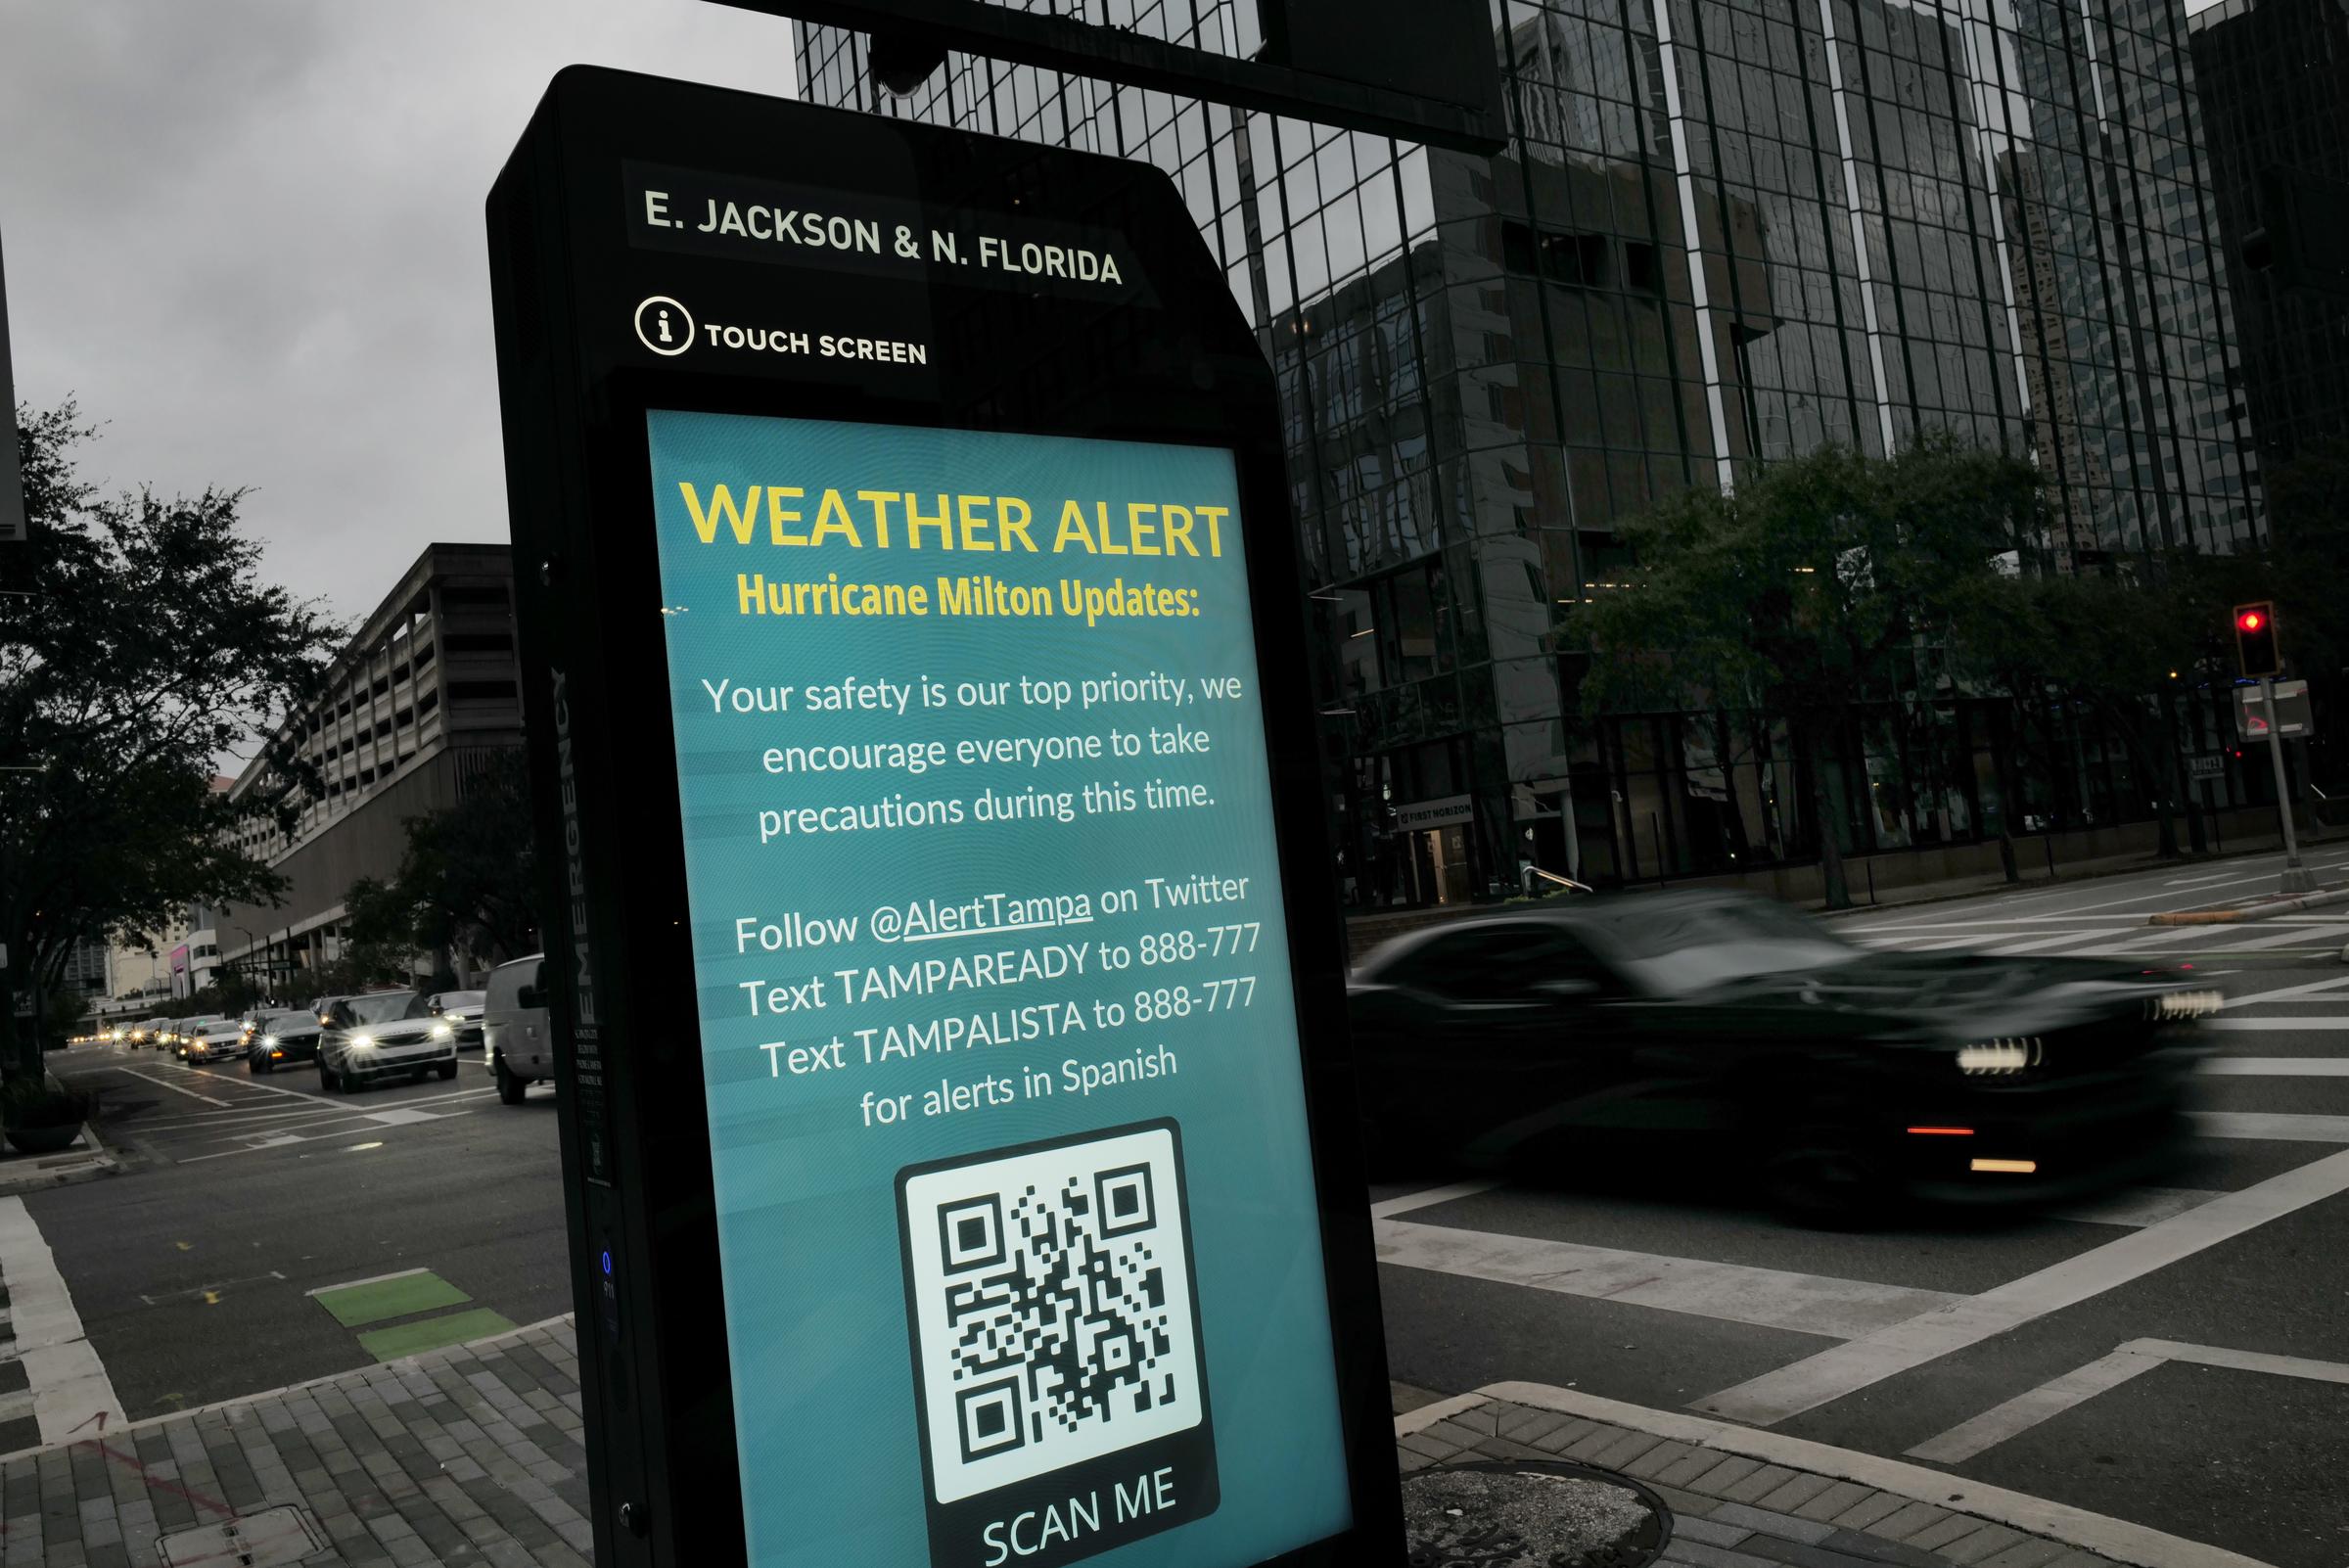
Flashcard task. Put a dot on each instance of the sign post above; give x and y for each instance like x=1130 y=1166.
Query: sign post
x=948 y=982
x=2273 y=709
x=2297 y=878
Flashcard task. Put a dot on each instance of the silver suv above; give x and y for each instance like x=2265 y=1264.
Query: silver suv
x=386 y=1034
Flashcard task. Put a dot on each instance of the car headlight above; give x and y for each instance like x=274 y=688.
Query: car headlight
x=1990 y=1057
x=362 y=1042
x=443 y=1031
x=2177 y=1004
x=268 y=1039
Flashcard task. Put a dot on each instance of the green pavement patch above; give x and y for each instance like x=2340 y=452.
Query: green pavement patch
x=435 y=1333
x=381 y=1300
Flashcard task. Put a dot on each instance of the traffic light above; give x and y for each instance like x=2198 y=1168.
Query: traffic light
x=2255 y=640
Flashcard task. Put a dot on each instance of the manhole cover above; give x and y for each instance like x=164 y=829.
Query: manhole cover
x=1531 y=1514
x=263 y=1540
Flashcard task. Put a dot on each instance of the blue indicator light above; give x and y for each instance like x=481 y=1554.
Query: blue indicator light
x=607 y=1260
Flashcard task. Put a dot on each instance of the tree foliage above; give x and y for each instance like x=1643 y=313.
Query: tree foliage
x=1806 y=591
x=138 y=642
x=466 y=880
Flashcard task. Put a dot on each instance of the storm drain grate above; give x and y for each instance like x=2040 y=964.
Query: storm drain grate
x=1531 y=1514
x=263 y=1539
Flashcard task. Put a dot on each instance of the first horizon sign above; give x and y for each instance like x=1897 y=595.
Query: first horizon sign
x=945 y=970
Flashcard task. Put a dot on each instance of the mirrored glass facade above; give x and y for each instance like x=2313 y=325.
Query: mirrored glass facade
x=1720 y=234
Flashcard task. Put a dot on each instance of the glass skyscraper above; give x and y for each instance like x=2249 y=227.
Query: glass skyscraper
x=1720 y=234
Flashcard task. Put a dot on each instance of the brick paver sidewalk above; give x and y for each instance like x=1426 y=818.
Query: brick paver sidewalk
x=472 y=1455
x=457 y=1457
x=1788 y=1503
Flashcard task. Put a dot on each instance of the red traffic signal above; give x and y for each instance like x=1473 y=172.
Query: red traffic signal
x=2255 y=640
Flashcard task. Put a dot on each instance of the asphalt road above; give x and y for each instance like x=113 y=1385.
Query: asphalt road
x=2176 y=1355
x=190 y=1270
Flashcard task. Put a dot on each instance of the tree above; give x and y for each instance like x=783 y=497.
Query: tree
x=466 y=879
x=2098 y=644
x=1806 y=592
x=138 y=642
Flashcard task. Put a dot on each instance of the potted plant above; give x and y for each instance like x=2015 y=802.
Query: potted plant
x=40 y=1117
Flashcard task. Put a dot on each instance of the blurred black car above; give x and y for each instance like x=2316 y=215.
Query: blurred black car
x=282 y=1039
x=1731 y=1034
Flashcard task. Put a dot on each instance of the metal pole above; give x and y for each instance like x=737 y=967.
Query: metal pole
x=2296 y=876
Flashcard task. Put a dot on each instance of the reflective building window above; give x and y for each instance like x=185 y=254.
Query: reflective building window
x=1722 y=234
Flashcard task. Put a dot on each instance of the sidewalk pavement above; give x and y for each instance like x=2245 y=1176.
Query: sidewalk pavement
x=472 y=1455
x=457 y=1457
x=1748 y=1499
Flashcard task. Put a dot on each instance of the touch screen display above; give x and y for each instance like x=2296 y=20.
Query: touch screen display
x=1015 y=1203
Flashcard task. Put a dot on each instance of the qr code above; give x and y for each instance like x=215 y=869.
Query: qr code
x=1050 y=1289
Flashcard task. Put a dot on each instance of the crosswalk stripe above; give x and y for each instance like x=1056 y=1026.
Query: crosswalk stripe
x=2252 y=999
x=2066 y=939
x=1858 y=1363
x=1768 y=1298
x=2279 y=1127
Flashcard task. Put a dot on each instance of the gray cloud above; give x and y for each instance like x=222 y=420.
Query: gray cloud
x=246 y=234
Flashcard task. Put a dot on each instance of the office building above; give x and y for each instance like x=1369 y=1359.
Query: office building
x=421 y=697
x=2273 y=76
x=1719 y=235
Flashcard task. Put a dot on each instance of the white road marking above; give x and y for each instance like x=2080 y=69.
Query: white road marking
x=2136 y=1207
x=2276 y=1066
x=319 y=1105
x=2066 y=939
x=2277 y=1025
x=162 y=1082
x=69 y=1383
x=2169 y=937
x=2283 y=993
x=399 y=1115
x=339 y=1127
x=371 y=1279
x=2313 y=937
x=1832 y=1374
x=2027 y=1410
x=1768 y=1298
x=1428 y=1198
x=2280 y=1126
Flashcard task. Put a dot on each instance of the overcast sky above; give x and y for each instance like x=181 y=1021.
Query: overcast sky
x=248 y=234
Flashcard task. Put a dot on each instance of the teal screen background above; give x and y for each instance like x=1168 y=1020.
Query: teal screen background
x=815 y=1298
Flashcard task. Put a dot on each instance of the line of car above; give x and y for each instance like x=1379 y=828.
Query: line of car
x=372 y=1037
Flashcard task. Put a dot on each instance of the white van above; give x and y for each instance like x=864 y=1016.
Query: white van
x=515 y=1028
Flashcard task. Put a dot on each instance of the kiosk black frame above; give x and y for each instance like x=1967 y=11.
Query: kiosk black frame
x=1171 y=361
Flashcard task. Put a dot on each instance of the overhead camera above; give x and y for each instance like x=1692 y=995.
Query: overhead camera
x=903 y=59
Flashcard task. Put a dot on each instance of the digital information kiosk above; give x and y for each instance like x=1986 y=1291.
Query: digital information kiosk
x=957 y=1130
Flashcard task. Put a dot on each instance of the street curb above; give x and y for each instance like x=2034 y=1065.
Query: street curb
x=95 y=1161
x=472 y=1345
x=2116 y=1538
x=2268 y=910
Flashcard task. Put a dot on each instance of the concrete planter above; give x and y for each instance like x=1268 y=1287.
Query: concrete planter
x=43 y=1140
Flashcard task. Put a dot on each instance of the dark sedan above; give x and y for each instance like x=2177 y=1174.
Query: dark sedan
x=282 y=1039
x=1725 y=1031
x=461 y=1011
